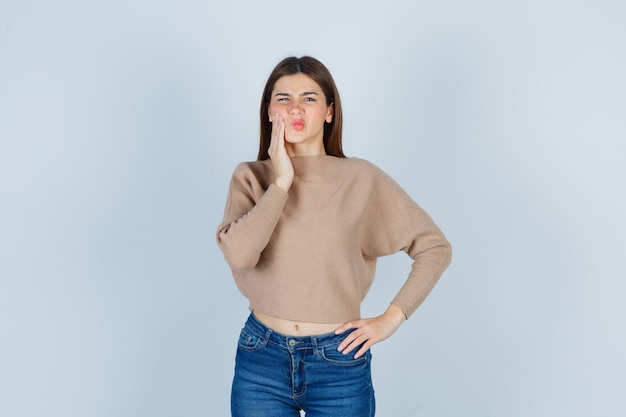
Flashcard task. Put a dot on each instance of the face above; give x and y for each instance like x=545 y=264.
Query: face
x=302 y=104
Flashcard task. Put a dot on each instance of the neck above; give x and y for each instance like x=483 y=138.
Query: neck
x=298 y=149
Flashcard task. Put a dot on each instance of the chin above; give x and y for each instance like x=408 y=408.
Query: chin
x=294 y=140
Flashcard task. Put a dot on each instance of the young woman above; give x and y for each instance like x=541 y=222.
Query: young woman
x=302 y=230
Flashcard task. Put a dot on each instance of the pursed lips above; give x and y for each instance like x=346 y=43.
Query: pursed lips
x=298 y=124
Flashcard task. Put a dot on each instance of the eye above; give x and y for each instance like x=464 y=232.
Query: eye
x=282 y=99
x=309 y=99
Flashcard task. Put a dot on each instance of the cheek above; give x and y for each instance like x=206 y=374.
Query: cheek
x=320 y=114
x=276 y=109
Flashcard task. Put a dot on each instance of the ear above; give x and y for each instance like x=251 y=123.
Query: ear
x=330 y=113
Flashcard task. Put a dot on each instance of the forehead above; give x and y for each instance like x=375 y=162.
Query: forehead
x=296 y=83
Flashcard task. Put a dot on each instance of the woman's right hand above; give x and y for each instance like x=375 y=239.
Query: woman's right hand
x=281 y=161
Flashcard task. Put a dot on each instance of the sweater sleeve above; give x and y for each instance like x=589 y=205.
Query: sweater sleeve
x=252 y=212
x=394 y=222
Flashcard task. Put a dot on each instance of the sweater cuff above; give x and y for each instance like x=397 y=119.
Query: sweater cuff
x=406 y=316
x=275 y=197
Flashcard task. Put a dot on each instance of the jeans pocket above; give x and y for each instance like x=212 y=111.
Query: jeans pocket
x=249 y=341
x=331 y=355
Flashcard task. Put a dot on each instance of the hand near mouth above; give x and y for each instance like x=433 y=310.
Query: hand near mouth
x=283 y=168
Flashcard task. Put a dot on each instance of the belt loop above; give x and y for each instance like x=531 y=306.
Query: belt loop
x=314 y=345
x=266 y=339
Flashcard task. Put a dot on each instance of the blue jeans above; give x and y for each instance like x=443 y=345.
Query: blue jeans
x=278 y=375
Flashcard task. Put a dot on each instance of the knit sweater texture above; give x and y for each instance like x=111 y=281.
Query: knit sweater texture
x=310 y=254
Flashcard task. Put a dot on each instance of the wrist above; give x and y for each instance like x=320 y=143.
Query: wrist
x=283 y=183
x=396 y=314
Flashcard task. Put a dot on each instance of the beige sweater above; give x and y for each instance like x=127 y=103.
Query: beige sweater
x=310 y=254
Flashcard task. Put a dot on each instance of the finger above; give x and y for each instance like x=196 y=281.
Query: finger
x=281 y=132
x=277 y=142
x=345 y=343
x=344 y=327
x=274 y=121
x=363 y=350
x=355 y=342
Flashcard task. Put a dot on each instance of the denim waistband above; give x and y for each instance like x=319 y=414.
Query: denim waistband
x=293 y=342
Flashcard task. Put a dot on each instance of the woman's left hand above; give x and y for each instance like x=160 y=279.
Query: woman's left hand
x=368 y=332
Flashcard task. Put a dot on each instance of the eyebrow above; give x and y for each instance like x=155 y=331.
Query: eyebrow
x=306 y=93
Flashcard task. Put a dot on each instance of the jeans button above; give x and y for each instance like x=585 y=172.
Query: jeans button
x=292 y=343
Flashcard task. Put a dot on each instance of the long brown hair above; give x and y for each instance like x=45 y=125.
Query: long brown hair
x=320 y=74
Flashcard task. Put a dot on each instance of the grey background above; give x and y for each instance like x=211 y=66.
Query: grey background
x=121 y=123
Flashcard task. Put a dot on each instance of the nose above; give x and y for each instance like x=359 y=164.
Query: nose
x=295 y=109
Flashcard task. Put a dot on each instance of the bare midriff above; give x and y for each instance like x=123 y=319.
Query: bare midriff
x=295 y=328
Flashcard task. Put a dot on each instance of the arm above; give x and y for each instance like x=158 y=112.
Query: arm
x=418 y=285
x=248 y=226
x=395 y=222
x=370 y=331
x=249 y=221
